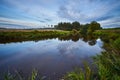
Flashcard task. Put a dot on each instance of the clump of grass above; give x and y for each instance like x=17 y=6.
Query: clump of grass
x=9 y=76
x=116 y=44
x=108 y=66
x=18 y=76
x=80 y=74
x=34 y=75
x=108 y=63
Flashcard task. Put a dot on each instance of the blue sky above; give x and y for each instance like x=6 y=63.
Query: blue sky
x=41 y=13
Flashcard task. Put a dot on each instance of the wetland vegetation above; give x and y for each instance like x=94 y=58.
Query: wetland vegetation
x=107 y=64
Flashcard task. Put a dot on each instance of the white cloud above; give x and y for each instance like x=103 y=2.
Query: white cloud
x=26 y=24
x=112 y=22
x=86 y=10
x=54 y=11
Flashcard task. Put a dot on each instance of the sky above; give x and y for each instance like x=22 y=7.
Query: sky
x=43 y=13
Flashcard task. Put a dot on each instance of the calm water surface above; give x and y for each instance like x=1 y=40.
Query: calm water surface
x=52 y=57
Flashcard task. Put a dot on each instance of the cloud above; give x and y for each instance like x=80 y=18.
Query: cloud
x=13 y=23
x=35 y=11
x=53 y=11
x=89 y=10
x=112 y=22
x=33 y=8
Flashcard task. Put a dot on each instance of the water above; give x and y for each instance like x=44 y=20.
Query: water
x=52 y=58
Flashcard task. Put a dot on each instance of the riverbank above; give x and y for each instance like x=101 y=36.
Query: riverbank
x=27 y=35
x=107 y=63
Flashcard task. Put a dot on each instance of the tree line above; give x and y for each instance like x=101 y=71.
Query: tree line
x=86 y=28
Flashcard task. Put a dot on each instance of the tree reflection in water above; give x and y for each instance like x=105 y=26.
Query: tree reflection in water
x=74 y=36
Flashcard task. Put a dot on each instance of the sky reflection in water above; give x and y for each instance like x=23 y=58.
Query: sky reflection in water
x=50 y=57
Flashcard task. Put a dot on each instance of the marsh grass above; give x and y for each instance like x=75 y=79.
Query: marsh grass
x=107 y=63
x=27 y=36
x=19 y=76
x=108 y=66
x=80 y=74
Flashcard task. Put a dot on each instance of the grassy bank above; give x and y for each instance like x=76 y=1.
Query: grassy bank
x=107 y=63
x=15 y=36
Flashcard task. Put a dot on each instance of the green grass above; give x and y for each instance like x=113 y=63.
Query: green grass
x=108 y=66
x=107 y=63
x=80 y=74
x=17 y=76
x=27 y=36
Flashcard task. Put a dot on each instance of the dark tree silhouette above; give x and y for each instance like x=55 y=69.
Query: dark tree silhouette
x=94 y=26
x=76 y=25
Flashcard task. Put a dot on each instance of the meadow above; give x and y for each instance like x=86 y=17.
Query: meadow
x=7 y=36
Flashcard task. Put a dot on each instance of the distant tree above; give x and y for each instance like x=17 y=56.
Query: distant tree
x=68 y=25
x=94 y=26
x=84 y=29
x=51 y=26
x=76 y=25
x=89 y=32
x=64 y=26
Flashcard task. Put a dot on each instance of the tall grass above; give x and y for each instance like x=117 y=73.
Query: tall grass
x=107 y=63
x=18 y=76
x=80 y=74
x=108 y=66
x=33 y=35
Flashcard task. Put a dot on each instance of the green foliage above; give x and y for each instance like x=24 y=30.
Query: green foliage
x=94 y=26
x=76 y=25
x=84 y=29
x=74 y=32
x=80 y=74
x=34 y=75
x=89 y=32
x=108 y=66
x=116 y=44
x=64 y=26
x=107 y=35
x=33 y=35
x=9 y=76
x=108 y=63
x=75 y=76
x=68 y=26
x=17 y=76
